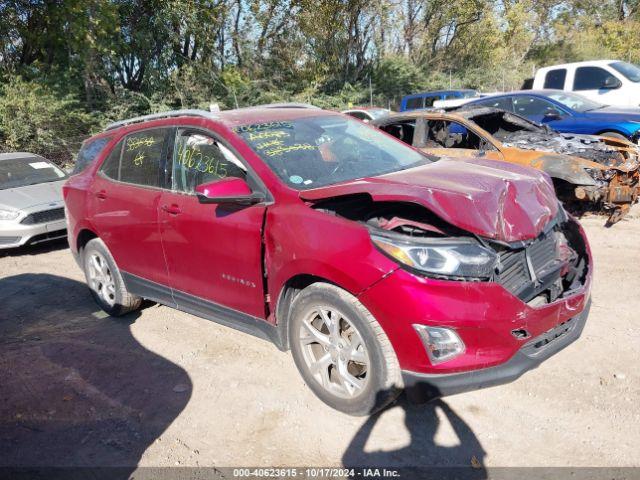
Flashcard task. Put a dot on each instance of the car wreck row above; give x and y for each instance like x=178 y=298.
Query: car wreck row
x=588 y=172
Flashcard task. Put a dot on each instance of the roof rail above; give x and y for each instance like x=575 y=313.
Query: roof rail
x=157 y=116
x=282 y=105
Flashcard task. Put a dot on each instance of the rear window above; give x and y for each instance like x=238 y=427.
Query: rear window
x=503 y=103
x=89 y=152
x=137 y=158
x=555 y=79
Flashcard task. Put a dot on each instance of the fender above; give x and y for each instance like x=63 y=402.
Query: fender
x=566 y=168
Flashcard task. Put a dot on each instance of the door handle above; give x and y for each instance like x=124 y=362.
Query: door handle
x=102 y=195
x=172 y=209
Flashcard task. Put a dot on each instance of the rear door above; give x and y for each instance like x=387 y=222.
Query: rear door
x=213 y=251
x=124 y=198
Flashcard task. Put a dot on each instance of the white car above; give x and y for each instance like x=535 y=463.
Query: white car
x=610 y=82
x=31 y=205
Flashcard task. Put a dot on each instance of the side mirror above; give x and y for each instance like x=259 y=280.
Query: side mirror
x=552 y=115
x=230 y=190
x=611 y=83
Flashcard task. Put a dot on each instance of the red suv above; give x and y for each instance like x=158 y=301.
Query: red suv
x=380 y=267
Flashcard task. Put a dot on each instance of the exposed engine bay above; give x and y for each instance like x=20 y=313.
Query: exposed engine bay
x=538 y=271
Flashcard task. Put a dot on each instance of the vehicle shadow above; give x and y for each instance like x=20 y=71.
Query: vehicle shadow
x=37 y=249
x=77 y=388
x=423 y=457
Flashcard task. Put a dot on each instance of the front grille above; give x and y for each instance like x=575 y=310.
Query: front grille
x=542 y=252
x=527 y=271
x=44 y=216
x=514 y=272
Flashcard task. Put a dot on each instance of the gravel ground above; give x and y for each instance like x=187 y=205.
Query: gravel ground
x=164 y=388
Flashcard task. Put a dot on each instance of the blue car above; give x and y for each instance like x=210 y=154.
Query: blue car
x=568 y=112
x=417 y=101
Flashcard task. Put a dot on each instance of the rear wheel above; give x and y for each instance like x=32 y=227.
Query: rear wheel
x=105 y=282
x=341 y=351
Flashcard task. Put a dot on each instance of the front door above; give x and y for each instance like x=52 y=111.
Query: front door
x=213 y=251
x=124 y=198
x=600 y=85
x=446 y=138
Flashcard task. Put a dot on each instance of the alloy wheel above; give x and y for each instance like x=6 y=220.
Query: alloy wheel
x=334 y=352
x=101 y=278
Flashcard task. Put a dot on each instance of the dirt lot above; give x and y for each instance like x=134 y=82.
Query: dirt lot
x=163 y=388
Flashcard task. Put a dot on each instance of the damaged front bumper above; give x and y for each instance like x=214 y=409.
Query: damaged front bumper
x=423 y=387
x=507 y=326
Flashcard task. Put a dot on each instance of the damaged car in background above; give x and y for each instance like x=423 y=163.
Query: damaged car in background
x=380 y=267
x=588 y=172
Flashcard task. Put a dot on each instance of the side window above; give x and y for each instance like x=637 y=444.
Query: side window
x=554 y=79
x=503 y=103
x=443 y=133
x=414 y=103
x=199 y=158
x=533 y=106
x=401 y=130
x=591 y=78
x=428 y=101
x=111 y=165
x=88 y=153
x=141 y=156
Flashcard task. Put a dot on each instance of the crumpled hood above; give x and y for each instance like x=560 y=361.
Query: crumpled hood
x=32 y=195
x=493 y=199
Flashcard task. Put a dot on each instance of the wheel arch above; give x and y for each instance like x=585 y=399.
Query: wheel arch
x=84 y=236
x=613 y=130
x=290 y=289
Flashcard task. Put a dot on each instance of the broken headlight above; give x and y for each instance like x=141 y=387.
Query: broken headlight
x=601 y=174
x=440 y=257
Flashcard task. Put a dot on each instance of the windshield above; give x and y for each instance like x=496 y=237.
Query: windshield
x=316 y=151
x=18 y=172
x=469 y=94
x=574 y=101
x=628 y=70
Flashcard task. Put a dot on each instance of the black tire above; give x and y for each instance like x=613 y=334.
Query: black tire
x=383 y=382
x=123 y=301
x=613 y=135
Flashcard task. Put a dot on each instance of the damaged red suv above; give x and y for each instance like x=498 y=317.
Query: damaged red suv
x=378 y=266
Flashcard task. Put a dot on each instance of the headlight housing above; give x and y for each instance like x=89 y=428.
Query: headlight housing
x=452 y=258
x=8 y=214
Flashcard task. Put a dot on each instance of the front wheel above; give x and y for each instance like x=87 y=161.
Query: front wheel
x=341 y=351
x=613 y=135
